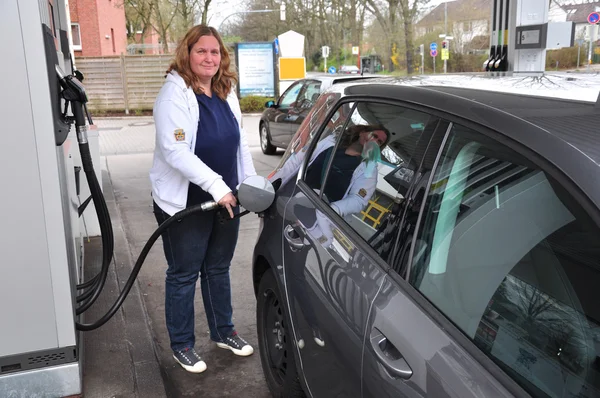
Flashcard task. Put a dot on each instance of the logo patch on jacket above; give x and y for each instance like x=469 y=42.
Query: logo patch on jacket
x=362 y=192
x=179 y=135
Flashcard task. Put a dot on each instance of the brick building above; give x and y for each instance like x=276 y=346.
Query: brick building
x=98 y=27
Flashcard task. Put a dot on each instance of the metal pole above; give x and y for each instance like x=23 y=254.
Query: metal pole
x=433 y=65
x=423 y=61
x=592 y=29
x=445 y=32
x=578 y=55
x=589 y=51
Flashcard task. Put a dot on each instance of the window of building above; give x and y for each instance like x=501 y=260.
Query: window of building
x=76 y=36
x=112 y=38
x=508 y=255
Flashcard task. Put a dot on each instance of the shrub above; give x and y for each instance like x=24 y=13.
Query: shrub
x=566 y=58
x=252 y=104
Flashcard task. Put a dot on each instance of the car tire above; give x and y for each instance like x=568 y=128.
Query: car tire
x=265 y=141
x=275 y=341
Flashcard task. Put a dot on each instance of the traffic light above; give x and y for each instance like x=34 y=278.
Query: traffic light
x=445 y=45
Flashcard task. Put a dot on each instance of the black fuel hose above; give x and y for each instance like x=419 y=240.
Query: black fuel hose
x=87 y=298
x=140 y=261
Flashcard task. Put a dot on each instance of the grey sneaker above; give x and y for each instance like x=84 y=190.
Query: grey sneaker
x=237 y=345
x=189 y=359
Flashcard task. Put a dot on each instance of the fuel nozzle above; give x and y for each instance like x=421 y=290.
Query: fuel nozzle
x=75 y=96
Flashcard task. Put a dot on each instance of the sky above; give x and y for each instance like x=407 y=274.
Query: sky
x=222 y=9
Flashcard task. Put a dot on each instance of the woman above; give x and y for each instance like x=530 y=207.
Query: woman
x=201 y=154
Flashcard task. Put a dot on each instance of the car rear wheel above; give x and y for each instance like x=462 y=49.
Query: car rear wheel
x=275 y=341
x=265 y=142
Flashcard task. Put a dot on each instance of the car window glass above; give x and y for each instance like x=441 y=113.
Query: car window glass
x=309 y=94
x=289 y=97
x=511 y=259
x=295 y=153
x=350 y=164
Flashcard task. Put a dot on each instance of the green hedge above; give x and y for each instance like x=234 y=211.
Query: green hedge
x=252 y=104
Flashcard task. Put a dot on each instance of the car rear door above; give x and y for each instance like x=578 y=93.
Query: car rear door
x=493 y=287
x=334 y=263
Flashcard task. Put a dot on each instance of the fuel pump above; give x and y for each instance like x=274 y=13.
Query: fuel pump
x=521 y=34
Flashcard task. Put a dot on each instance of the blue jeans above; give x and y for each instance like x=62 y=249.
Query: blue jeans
x=198 y=244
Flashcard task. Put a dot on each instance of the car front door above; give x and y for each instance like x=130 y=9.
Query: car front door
x=280 y=119
x=493 y=291
x=334 y=263
x=302 y=106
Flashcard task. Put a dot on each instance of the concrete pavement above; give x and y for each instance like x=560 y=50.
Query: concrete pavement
x=126 y=146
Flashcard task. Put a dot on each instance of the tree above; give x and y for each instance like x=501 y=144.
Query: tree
x=165 y=12
x=171 y=19
x=336 y=23
x=138 y=15
x=386 y=14
x=391 y=14
x=409 y=11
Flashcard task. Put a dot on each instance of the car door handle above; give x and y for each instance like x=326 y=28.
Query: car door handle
x=293 y=238
x=389 y=356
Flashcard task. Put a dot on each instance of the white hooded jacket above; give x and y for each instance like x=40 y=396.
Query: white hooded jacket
x=175 y=164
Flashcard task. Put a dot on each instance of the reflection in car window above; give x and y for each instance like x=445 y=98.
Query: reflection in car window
x=294 y=155
x=349 y=164
x=309 y=94
x=511 y=259
x=289 y=97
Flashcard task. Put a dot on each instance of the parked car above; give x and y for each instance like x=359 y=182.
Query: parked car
x=473 y=268
x=281 y=119
x=349 y=69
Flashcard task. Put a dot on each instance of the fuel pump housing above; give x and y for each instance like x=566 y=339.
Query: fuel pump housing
x=41 y=243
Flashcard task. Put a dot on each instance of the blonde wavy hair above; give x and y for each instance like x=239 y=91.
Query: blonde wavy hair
x=222 y=81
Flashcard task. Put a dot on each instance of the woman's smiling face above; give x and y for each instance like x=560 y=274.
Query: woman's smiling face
x=205 y=57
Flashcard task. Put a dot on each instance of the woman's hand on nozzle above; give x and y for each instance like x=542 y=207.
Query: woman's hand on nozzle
x=229 y=202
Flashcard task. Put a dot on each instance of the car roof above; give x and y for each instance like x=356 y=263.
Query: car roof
x=556 y=116
x=329 y=80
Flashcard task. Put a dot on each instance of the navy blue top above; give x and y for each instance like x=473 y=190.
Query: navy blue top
x=217 y=143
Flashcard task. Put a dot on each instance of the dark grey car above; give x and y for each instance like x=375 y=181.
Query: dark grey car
x=474 y=269
x=279 y=122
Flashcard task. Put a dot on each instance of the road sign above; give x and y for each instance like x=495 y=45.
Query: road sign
x=433 y=53
x=445 y=54
x=433 y=47
x=331 y=69
x=355 y=50
x=594 y=17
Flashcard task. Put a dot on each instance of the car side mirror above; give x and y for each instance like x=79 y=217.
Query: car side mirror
x=269 y=104
x=256 y=193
